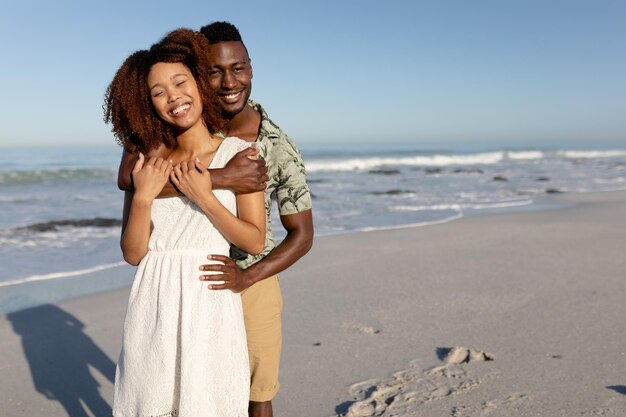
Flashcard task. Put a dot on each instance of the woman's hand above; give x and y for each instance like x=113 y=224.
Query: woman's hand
x=193 y=179
x=150 y=177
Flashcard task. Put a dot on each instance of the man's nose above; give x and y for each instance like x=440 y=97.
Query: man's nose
x=228 y=81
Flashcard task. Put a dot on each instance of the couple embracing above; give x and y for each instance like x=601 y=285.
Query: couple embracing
x=197 y=195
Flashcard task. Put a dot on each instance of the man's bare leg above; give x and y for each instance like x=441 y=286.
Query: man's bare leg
x=263 y=409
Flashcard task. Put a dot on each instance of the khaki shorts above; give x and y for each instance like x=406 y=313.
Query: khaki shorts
x=262 y=309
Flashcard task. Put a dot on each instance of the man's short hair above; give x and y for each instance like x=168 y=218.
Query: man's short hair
x=221 y=32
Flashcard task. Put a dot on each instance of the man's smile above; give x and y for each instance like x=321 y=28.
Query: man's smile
x=231 y=98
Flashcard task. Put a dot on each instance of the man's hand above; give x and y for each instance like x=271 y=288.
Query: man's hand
x=234 y=277
x=242 y=174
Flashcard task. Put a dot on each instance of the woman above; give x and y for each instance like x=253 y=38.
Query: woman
x=184 y=349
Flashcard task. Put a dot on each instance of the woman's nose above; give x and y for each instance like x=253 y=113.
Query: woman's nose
x=172 y=97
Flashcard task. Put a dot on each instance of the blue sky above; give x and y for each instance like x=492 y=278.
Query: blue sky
x=341 y=72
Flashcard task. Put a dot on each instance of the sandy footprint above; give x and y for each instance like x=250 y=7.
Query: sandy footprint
x=487 y=408
x=459 y=354
x=406 y=390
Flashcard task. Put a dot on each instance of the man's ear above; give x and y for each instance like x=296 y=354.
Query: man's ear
x=251 y=69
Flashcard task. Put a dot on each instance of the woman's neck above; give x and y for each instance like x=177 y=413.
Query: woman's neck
x=194 y=142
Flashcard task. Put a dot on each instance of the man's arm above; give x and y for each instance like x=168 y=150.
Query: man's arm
x=297 y=243
x=241 y=174
x=124 y=179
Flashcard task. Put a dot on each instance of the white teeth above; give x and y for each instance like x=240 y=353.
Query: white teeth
x=231 y=96
x=180 y=109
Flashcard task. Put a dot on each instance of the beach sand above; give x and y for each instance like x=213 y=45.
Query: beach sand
x=511 y=314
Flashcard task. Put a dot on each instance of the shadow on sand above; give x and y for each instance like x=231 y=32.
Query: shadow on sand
x=59 y=355
x=620 y=389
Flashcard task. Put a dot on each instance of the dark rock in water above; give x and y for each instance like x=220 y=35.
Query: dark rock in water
x=56 y=224
x=433 y=170
x=553 y=191
x=468 y=171
x=385 y=171
x=543 y=179
x=316 y=181
x=500 y=178
x=391 y=192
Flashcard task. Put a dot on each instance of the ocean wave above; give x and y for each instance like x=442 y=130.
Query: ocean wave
x=604 y=181
x=58 y=275
x=441 y=160
x=592 y=154
x=522 y=155
x=56 y=176
x=426 y=161
x=464 y=206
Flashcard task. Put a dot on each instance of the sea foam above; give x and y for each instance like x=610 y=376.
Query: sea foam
x=426 y=161
x=59 y=275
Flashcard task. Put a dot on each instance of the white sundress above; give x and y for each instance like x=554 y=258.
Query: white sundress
x=184 y=350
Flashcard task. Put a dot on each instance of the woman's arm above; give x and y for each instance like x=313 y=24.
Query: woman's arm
x=136 y=231
x=246 y=231
x=149 y=179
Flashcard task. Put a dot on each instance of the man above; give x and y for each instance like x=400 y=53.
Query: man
x=254 y=277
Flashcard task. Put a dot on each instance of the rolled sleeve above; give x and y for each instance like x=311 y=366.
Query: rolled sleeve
x=292 y=192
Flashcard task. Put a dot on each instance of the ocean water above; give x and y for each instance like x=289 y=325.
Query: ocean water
x=61 y=209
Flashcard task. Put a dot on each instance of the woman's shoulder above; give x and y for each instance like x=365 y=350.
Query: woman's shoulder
x=229 y=147
x=237 y=142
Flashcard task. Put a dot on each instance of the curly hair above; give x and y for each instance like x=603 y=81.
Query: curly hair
x=127 y=103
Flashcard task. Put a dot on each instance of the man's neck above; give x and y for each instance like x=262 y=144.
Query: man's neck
x=244 y=125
